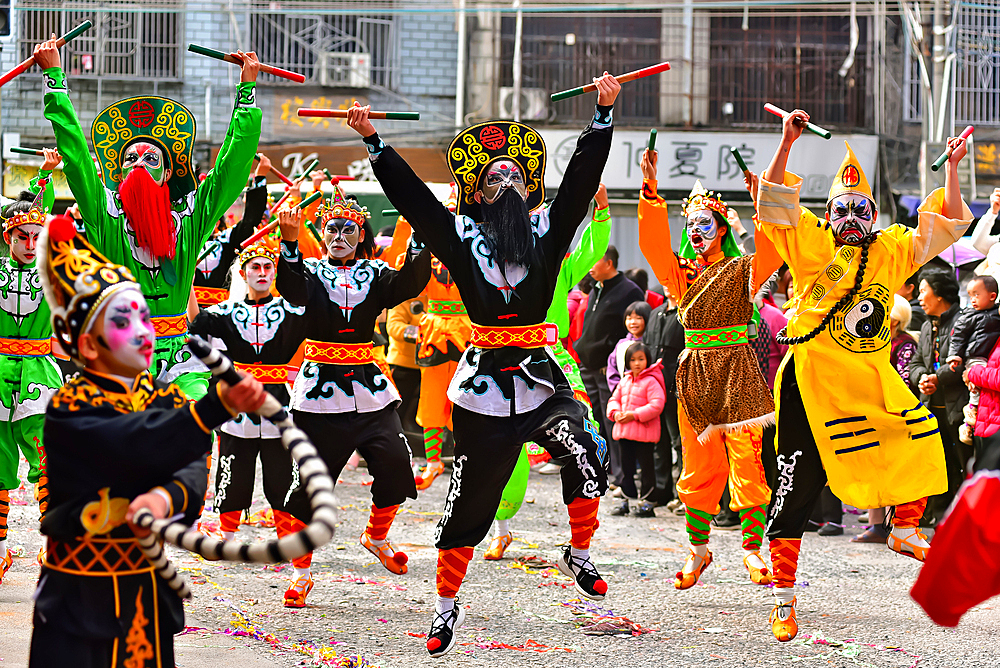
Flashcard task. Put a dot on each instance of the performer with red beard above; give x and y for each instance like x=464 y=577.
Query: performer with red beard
x=150 y=214
x=508 y=388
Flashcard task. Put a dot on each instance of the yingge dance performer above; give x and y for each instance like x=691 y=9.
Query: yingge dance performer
x=508 y=388
x=873 y=443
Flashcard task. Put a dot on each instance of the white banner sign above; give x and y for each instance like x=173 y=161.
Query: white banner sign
x=686 y=156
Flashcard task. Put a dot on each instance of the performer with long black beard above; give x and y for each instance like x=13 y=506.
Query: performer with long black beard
x=341 y=398
x=508 y=388
x=149 y=214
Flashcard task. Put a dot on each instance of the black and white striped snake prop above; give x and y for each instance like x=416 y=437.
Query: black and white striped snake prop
x=313 y=475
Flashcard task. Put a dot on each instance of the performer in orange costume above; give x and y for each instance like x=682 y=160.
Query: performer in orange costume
x=724 y=402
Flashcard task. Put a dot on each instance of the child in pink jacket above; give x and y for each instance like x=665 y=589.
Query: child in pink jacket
x=635 y=408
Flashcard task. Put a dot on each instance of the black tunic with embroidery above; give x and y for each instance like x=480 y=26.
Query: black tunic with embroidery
x=342 y=304
x=107 y=444
x=268 y=331
x=505 y=381
x=213 y=271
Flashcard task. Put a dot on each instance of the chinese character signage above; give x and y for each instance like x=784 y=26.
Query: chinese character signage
x=686 y=156
x=18 y=177
x=287 y=124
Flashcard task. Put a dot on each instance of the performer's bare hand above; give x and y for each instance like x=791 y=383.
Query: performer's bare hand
x=607 y=89
x=245 y=396
x=52 y=158
x=648 y=164
x=959 y=149
x=47 y=54
x=995 y=201
x=752 y=184
x=289 y=220
x=601 y=198
x=153 y=502
x=251 y=66
x=357 y=118
x=793 y=125
x=73 y=212
x=264 y=166
x=734 y=220
x=317 y=178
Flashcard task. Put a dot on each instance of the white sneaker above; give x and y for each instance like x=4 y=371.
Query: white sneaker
x=550 y=468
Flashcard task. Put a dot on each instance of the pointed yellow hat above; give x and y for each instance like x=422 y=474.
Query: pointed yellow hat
x=849 y=179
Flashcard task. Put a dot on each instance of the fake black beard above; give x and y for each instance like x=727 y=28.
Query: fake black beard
x=506 y=228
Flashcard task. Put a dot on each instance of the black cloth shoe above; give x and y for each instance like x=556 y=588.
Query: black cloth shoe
x=442 y=637
x=645 y=510
x=727 y=523
x=621 y=509
x=588 y=581
x=830 y=529
x=812 y=526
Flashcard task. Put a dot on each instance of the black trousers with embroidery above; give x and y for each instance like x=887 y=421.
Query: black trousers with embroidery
x=237 y=468
x=377 y=436
x=801 y=476
x=487 y=448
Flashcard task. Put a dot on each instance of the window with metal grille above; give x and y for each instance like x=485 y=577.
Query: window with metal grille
x=560 y=52
x=791 y=61
x=128 y=41
x=977 y=64
x=337 y=50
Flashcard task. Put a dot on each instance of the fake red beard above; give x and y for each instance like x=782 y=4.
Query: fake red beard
x=147 y=209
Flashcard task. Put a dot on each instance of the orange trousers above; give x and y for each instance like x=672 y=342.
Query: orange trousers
x=734 y=455
x=434 y=409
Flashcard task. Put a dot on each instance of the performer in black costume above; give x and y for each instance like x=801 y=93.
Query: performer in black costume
x=508 y=388
x=341 y=398
x=117 y=440
x=261 y=335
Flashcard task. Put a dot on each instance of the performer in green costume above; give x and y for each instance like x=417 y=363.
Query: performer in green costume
x=588 y=251
x=150 y=214
x=28 y=373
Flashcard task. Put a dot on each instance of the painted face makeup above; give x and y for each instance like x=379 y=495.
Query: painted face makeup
x=259 y=274
x=128 y=330
x=500 y=176
x=342 y=237
x=23 y=243
x=852 y=218
x=147 y=156
x=702 y=230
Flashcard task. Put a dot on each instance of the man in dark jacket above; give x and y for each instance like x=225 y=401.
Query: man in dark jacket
x=665 y=337
x=603 y=327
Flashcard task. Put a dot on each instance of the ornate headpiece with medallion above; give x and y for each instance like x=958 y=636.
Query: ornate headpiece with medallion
x=156 y=120
x=476 y=148
x=700 y=199
x=77 y=281
x=35 y=215
x=259 y=249
x=850 y=180
x=339 y=207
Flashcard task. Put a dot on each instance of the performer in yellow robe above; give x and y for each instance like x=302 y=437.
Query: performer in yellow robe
x=844 y=415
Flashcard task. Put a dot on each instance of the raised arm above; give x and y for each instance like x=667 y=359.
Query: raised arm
x=253 y=212
x=291 y=281
x=654 y=231
x=396 y=286
x=982 y=240
x=593 y=242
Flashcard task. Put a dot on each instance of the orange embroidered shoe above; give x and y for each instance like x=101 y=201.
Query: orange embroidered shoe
x=760 y=576
x=394 y=562
x=5 y=565
x=295 y=597
x=783 y=624
x=498 y=546
x=41 y=555
x=687 y=580
x=913 y=544
x=428 y=473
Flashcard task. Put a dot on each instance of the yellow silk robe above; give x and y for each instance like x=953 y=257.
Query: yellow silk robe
x=878 y=444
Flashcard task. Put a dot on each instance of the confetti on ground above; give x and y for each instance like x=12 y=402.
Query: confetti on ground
x=849 y=649
x=603 y=621
x=528 y=646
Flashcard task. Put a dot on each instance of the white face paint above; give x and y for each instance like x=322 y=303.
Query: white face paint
x=23 y=241
x=149 y=157
x=702 y=230
x=852 y=218
x=342 y=237
x=259 y=273
x=128 y=331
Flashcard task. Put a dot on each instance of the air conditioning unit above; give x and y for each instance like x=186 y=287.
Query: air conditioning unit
x=534 y=103
x=345 y=70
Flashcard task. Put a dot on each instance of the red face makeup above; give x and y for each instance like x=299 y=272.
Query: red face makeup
x=128 y=330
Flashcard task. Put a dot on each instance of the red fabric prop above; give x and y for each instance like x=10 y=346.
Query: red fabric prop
x=963 y=566
x=147 y=209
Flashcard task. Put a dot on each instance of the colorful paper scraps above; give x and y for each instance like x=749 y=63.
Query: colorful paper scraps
x=596 y=620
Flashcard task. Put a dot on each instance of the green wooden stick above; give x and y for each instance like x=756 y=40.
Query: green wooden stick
x=315 y=232
x=307 y=171
x=390 y=212
x=26 y=151
x=739 y=161
x=77 y=31
x=208 y=251
x=652 y=140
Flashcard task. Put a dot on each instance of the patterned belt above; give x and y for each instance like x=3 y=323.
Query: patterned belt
x=523 y=336
x=26 y=347
x=444 y=307
x=716 y=338
x=338 y=353
x=167 y=326
x=210 y=296
x=97 y=556
x=272 y=374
